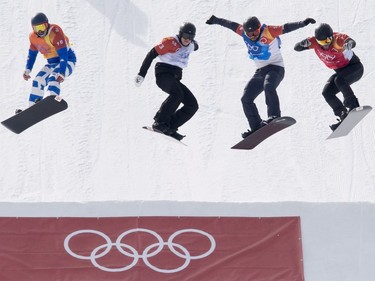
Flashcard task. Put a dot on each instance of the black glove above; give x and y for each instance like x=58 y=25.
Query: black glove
x=196 y=46
x=349 y=44
x=305 y=43
x=212 y=20
x=309 y=20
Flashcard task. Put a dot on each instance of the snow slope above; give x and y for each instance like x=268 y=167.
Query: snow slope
x=96 y=150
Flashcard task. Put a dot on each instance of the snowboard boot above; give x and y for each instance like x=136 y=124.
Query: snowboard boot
x=172 y=132
x=177 y=136
x=161 y=127
x=352 y=104
x=335 y=126
x=166 y=130
x=248 y=132
x=20 y=110
x=270 y=119
x=342 y=116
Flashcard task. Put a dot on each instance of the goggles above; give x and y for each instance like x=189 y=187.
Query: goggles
x=254 y=33
x=40 y=28
x=324 y=42
x=189 y=36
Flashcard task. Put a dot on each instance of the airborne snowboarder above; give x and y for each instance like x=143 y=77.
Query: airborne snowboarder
x=50 y=40
x=335 y=51
x=173 y=53
x=263 y=44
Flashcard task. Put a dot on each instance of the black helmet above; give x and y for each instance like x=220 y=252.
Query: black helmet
x=251 y=24
x=323 y=31
x=40 y=24
x=187 y=31
x=39 y=18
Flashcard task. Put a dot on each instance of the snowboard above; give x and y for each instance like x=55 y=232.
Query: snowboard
x=350 y=121
x=265 y=132
x=34 y=114
x=161 y=133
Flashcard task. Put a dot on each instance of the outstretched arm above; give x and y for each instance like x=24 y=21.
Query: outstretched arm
x=223 y=22
x=291 y=26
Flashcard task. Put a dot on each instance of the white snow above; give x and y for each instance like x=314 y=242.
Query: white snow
x=96 y=150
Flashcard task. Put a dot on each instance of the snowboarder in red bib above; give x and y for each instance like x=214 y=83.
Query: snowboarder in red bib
x=173 y=53
x=263 y=44
x=335 y=51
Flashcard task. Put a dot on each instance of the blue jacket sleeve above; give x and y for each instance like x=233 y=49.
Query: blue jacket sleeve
x=63 y=54
x=31 y=59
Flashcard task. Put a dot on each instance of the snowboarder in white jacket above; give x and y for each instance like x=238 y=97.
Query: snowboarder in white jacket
x=173 y=53
x=263 y=45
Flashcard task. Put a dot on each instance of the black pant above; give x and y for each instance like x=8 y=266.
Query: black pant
x=265 y=79
x=340 y=82
x=178 y=93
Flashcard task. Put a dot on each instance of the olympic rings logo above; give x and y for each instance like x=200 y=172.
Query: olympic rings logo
x=147 y=253
x=253 y=47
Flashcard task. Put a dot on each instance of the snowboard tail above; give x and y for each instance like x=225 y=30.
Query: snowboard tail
x=350 y=121
x=265 y=132
x=47 y=107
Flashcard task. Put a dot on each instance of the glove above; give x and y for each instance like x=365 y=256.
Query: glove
x=60 y=78
x=196 y=46
x=309 y=20
x=26 y=74
x=305 y=43
x=138 y=80
x=212 y=20
x=349 y=44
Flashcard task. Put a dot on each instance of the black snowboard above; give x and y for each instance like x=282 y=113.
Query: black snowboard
x=263 y=133
x=34 y=114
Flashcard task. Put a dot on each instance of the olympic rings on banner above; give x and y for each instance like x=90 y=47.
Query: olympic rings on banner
x=150 y=251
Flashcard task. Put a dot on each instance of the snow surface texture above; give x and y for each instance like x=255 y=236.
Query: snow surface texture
x=97 y=149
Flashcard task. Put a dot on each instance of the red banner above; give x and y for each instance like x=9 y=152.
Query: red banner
x=151 y=248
